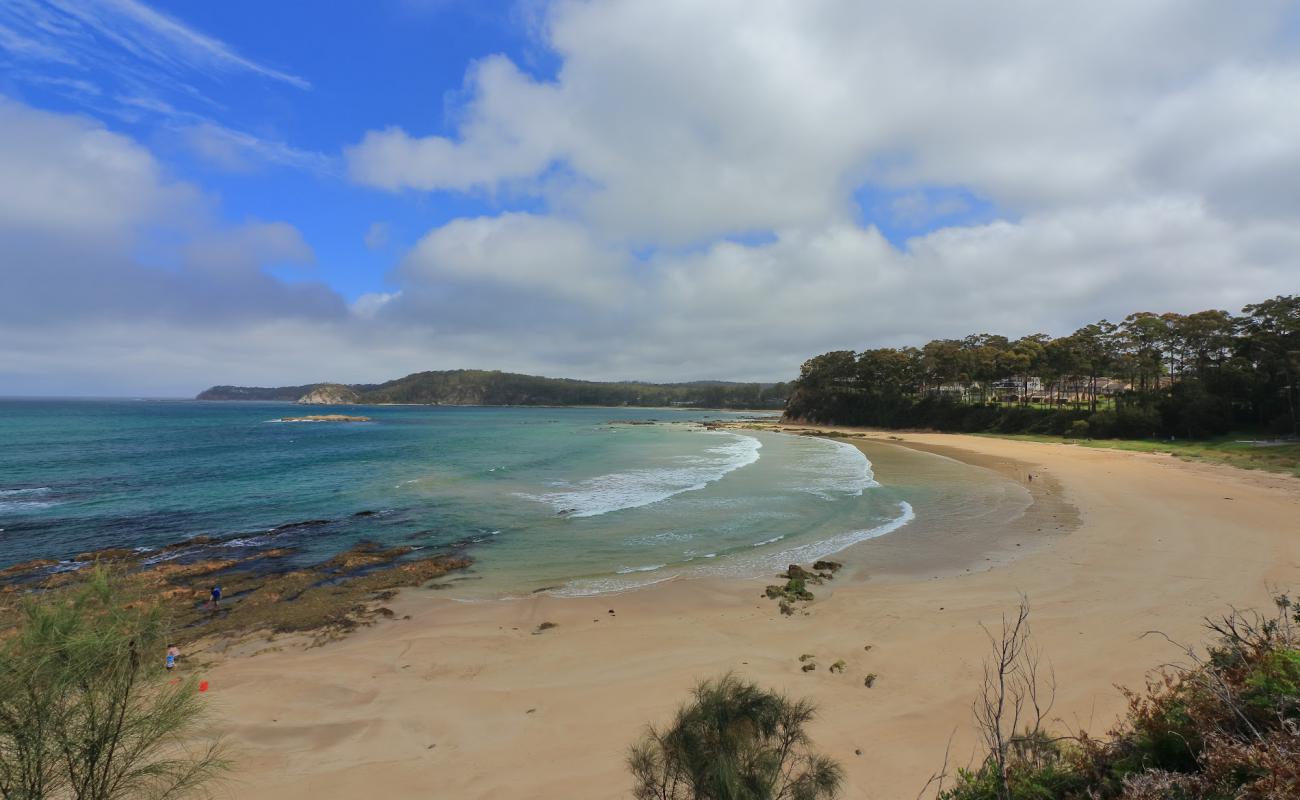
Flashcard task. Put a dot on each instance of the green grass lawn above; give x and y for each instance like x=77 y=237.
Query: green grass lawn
x=1284 y=458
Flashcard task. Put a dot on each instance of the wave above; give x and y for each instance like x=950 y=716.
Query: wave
x=773 y=540
x=36 y=490
x=606 y=586
x=835 y=468
x=19 y=506
x=620 y=491
x=825 y=547
x=17 y=501
x=747 y=567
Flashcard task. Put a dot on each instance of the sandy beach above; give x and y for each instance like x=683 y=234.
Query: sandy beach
x=464 y=700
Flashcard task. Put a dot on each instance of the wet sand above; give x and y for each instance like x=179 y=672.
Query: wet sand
x=465 y=700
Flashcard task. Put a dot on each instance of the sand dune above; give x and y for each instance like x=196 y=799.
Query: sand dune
x=465 y=701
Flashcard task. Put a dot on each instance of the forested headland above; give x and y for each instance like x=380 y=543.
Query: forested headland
x=493 y=388
x=1151 y=375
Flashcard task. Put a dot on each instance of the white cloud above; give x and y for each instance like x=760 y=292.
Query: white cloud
x=68 y=176
x=136 y=29
x=146 y=67
x=682 y=123
x=519 y=252
x=370 y=304
x=1142 y=156
x=238 y=151
x=93 y=229
x=493 y=148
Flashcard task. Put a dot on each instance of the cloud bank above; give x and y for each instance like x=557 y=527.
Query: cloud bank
x=696 y=177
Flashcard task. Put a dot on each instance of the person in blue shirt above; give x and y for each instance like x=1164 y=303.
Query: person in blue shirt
x=216 y=596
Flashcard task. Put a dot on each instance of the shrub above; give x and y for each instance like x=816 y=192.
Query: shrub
x=86 y=710
x=733 y=741
x=1225 y=725
x=1079 y=429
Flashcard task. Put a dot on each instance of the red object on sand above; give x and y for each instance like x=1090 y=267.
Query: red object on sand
x=203 y=686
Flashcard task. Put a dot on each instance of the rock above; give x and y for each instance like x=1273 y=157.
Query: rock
x=546 y=626
x=29 y=566
x=870 y=680
x=307 y=523
x=838 y=666
x=796 y=572
x=110 y=554
x=786 y=608
x=806 y=657
x=809 y=667
x=827 y=566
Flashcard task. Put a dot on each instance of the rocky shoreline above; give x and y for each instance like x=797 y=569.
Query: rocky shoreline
x=263 y=592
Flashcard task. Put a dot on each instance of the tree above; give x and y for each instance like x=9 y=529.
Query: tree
x=1014 y=700
x=1271 y=334
x=86 y=711
x=734 y=741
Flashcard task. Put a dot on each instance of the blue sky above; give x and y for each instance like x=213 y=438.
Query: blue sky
x=401 y=63
x=245 y=192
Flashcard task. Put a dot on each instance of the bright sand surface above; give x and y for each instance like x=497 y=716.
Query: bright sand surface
x=463 y=700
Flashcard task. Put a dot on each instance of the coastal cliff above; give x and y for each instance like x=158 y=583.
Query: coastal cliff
x=329 y=394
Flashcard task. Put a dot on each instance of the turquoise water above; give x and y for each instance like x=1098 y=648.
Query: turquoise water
x=573 y=498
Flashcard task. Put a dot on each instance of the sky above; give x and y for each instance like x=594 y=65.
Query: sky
x=283 y=193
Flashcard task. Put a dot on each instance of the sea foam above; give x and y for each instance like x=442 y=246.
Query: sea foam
x=833 y=468
x=831 y=545
x=619 y=491
x=16 y=501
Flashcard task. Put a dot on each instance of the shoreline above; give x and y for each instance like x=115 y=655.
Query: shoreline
x=464 y=700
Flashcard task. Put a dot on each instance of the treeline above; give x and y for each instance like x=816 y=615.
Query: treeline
x=1192 y=375
x=485 y=387
x=263 y=393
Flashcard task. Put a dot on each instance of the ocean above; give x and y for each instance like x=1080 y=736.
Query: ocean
x=572 y=500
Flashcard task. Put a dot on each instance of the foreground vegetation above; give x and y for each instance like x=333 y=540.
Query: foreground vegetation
x=1222 y=725
x=734 y=741
x=493 y=388
x=1150 y=376
x=86 y=708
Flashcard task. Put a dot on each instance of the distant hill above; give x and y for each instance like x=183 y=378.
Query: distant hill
x=289 y=393
x=493 y=388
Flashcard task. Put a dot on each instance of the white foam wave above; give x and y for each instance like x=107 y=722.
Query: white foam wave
x=646 y=568
x=606 y=586
x=19 y=506
x=825 y=547
x=834 y=468
x=773 y=540
x=248 y=541
x=24 y=492
x=619 y=491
